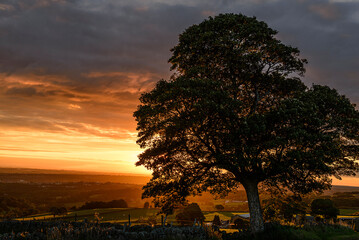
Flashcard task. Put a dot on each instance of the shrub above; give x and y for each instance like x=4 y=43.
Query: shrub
x=216 y=221
x=241 y=223
x=189 y=214
x=219 y=207
x=324 y=207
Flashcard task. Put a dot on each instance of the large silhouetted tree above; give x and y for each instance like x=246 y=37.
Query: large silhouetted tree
x=235 y=112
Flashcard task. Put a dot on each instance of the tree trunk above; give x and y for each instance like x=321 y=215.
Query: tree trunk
x=255 y=210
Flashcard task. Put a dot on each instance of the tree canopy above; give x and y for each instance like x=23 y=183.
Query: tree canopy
x=236 y=112
x=324 y=207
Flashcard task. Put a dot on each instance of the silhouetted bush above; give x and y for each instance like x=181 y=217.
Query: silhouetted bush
x=219 y=207
x=241 y=223
x=31 y=230
x=324 y=207
x=190 y=214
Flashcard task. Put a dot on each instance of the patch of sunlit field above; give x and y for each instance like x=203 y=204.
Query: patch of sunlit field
x=230 y=230
x=222 y=215
x=346 y=216
x=93 y=211
x=42 y=216
x=347 y=212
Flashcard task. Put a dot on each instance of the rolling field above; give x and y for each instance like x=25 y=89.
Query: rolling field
x=120 y=215
x=105 y=215
x=347 y=212
x=138 y=215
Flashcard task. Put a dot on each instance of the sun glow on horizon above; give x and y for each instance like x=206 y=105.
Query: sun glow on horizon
x=69 y=152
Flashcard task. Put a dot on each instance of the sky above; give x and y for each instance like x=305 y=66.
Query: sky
x=71 y=71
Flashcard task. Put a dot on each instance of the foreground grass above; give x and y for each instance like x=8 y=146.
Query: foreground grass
x=317 y=232
x=93 y=231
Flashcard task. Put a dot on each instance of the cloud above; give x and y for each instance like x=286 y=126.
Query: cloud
x=81 y=65
x=24 y=91
x=326 y=11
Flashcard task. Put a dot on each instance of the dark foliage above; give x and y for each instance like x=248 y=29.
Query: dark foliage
x=324 y=207
x=283 y=208
x=241 y=223
x=91 y=231
x=58 y=211
x=11 y=207
x=235 y=111
x=190 y=214
x=219 y=207
x=216 y=221
x=46 y=195
x=112 y=204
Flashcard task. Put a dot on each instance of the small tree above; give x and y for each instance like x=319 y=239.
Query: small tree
x=219 y=207
x=235 y=112
x=152 y=220
x=55 y=211
x=189 y=214
x=216 y=221
x=62 y=211
x=146 y=205
x=325 y=208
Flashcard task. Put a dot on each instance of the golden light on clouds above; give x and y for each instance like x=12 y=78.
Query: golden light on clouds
x=54 y=123
x=74 y=106
x=75 y=151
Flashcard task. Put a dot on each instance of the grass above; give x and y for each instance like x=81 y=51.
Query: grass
x=107 y=214
x=333 y=232
x=120 y=215
x=316 y=232
x=222 y=215
x=319 y=232
x=346 y=212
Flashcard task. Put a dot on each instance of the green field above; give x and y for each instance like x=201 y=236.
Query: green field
x=138 y=215
x=105 y=215
x=347 y=212
x=222 y=215
x=120 y=215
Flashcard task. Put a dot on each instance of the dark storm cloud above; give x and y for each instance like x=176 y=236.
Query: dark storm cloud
x=79 y=36
x=84 y=63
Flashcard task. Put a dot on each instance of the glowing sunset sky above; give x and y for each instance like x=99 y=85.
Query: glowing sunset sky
x=71 y=71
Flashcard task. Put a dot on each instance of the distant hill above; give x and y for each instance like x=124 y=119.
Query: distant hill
x=337 y=188
x=24 y=175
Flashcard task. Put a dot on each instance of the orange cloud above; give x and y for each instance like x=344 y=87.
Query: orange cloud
x=55 y=119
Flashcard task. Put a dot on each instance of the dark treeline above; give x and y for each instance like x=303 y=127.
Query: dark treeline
x=99 y=204
x=65 y=178
x=46 y=195
x=11 y=207
x=346 y=199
